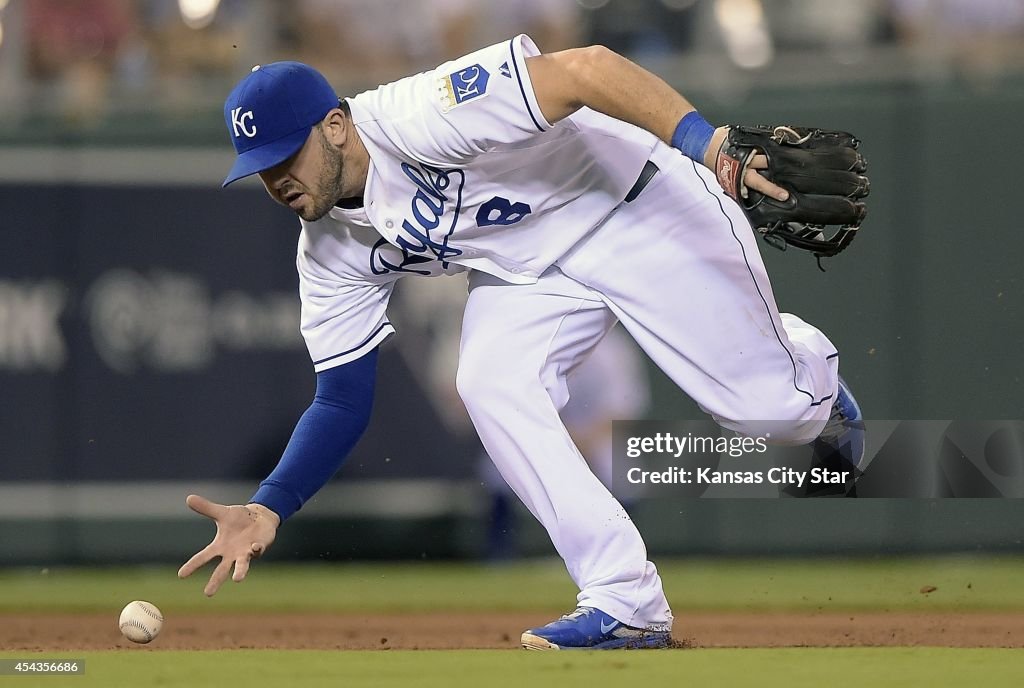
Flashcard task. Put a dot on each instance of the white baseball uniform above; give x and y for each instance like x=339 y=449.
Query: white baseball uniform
x=465 y=172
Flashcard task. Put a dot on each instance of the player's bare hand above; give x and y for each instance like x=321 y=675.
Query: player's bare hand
x=244 y=532
x=752 y=179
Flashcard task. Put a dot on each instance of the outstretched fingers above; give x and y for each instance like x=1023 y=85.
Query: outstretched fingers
x=242 y=535
x=241 y=568
x=204 y=507
x=220 y=574
x=197 y=561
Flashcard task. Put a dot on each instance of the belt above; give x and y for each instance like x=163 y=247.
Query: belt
x=646 y=175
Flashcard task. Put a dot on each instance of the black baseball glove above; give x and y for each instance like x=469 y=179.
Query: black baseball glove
x=823 y=172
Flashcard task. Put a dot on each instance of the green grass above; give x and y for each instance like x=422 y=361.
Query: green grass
x=991 y=584
x=750 y=585
x=876 y=667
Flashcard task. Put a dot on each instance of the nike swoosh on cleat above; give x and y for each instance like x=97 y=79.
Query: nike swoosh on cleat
x=609 y=627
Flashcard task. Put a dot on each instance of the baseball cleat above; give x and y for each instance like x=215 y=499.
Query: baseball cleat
x=591 y=629
x=842 y=440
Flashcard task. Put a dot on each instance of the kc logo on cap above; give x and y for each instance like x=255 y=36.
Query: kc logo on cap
x=290 y=99
x=238 y=122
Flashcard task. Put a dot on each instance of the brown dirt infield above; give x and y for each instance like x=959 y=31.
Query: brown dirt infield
x=501 y=630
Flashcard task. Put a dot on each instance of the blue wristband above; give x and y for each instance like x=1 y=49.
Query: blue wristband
x=692 y=136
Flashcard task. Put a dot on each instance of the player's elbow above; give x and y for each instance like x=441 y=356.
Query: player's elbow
x=579 y=73
x=348 y=389
x=587 y=66
x=589 y=59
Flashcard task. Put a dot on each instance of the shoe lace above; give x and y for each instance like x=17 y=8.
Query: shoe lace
x=836 y=423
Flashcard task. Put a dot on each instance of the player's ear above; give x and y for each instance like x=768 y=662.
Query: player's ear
x=335 y=127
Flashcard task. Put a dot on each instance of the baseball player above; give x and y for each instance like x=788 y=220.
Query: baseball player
x=575 y=186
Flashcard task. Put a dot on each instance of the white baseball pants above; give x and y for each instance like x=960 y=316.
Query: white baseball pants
x=680 y=267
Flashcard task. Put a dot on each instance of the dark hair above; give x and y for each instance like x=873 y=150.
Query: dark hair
x=343 y=106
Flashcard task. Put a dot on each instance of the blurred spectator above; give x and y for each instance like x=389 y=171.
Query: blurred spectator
x=72 y=50
x=980 y=38
x=191 y=42
x=611 y=384
x=552 y=24
x=641 y=28
x=753 y=32
x=85 y=59
x=835 y=26
x=373 y=41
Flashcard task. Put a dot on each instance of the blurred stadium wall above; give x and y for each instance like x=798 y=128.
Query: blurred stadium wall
x=148 y=319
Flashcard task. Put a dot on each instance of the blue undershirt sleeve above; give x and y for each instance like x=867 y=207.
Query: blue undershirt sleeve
x=323 y=437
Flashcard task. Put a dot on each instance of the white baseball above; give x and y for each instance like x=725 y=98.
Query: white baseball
x=140 y=621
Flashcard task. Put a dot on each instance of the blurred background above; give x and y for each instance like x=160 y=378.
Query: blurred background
x=148 y=319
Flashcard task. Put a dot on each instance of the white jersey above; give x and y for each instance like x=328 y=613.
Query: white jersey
x=346 y=275
x=442 y=205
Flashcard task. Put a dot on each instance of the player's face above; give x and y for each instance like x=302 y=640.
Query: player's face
x=309 y=182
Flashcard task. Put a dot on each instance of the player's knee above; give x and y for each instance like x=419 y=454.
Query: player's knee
x=787 y=421
x=481 y=382
x=465 y=383
x=486 y=385
x=486 y=382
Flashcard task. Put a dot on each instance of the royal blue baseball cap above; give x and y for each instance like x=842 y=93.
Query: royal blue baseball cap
x=271 y=112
